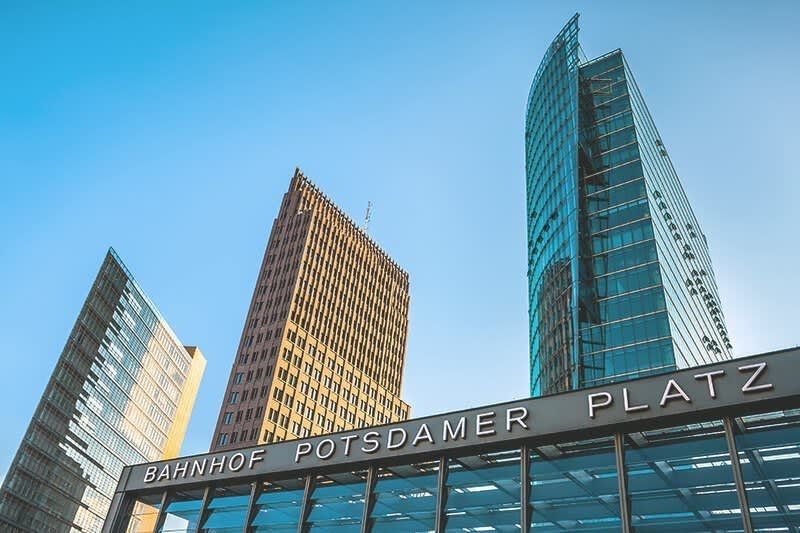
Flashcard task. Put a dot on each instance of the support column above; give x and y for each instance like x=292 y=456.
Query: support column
x=119 y=513
x=203 y=508
x=161 y=516
x=369 y=499
x=305 y=509
x=441 y=495
x=526 y=510
x=255 y=491
x=622 y=483
x=741 y=493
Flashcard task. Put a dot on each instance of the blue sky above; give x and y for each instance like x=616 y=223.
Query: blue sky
x=170 y=131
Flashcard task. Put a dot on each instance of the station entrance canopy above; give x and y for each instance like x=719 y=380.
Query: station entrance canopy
x=713 y=448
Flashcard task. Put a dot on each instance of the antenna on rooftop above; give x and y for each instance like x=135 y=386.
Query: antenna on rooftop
x=365 y=227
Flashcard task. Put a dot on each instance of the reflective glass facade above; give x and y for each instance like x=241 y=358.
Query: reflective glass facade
x=121 y=393
x=619 y=273
x=722 y=466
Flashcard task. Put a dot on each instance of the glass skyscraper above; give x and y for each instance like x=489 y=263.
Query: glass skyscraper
x=121 y=393
x=620 y=280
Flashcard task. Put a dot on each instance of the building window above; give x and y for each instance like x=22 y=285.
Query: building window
x=233 y=398
x=228 y=418
x=237 y=379
x=222 y=440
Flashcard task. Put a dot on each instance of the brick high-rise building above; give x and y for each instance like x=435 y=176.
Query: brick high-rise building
x=324 y=342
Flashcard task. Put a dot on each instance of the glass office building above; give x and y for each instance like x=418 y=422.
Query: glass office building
x=121 y=393
x=619 y=274
x=703 y=449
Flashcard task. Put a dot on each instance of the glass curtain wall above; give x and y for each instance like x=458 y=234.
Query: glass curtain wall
x=624 y=328
x=551 y=138
x=620 y=278
x=111 y=401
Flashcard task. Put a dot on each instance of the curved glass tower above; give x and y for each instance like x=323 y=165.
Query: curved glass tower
x=620 y=281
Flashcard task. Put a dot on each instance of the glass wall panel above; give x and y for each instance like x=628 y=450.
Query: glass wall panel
x=337 y=503
x=574 y=487
x=629 y=362
x=182 y=512
x=680 y=479
x=144 y=514
x=405 y=499
x=278 y=506
x=227 y=510
x=551 y=138
x=483 y=493
x=769 y=452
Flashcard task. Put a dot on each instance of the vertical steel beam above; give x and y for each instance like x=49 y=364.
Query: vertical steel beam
x=369 y=499
x=161 y=516
x=441 y=495
x=203 y=508
x=305 y=508
x=738 y=479
x=622 y=484
x=255 y=491
x=119 y=513
x=525 y=489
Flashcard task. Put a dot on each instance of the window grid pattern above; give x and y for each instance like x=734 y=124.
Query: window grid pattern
x=120 y=394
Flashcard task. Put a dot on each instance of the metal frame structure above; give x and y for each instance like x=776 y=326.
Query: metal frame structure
x=723 y=391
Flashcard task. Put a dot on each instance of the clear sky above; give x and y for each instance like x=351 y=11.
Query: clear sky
x=170 y=131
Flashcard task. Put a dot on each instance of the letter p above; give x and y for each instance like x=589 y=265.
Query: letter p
x=304 y=448
x=598 y=400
